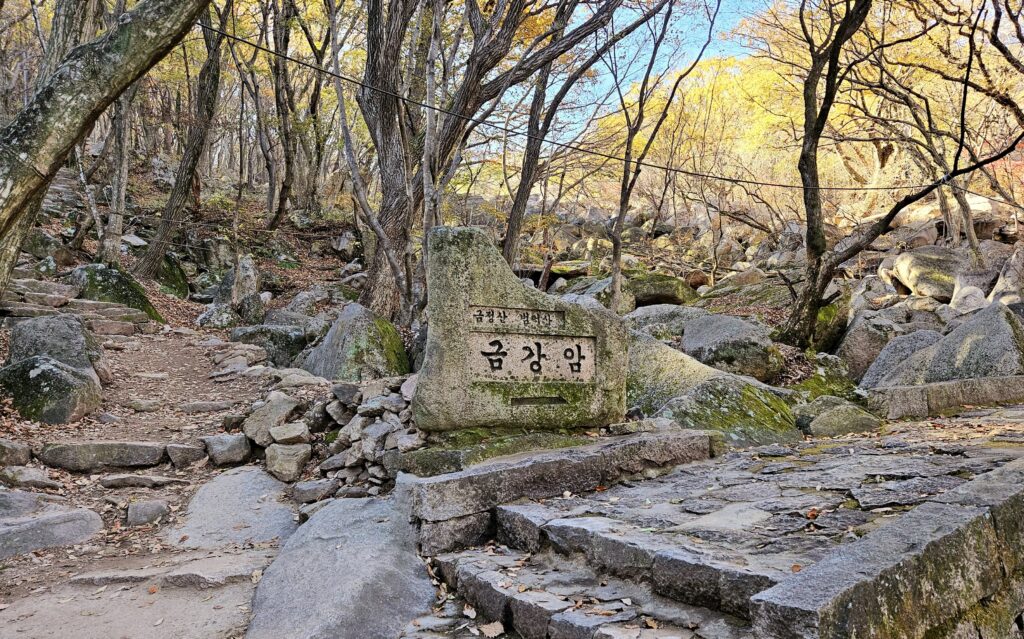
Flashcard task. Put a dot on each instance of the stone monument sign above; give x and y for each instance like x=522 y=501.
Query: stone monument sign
x=503 y=355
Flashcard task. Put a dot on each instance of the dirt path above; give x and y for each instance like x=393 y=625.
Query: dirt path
x=163 y=372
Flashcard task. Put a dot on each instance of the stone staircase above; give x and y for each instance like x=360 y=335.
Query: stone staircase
x=27 y=298
x=548 y=595
x=776 y=542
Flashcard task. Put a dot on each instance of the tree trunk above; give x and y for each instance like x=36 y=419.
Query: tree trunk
x=285 y=103
x=110 y=246
x=528 y=173
x=206 y=106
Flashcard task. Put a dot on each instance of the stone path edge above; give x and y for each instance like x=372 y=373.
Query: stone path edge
x=931 y=566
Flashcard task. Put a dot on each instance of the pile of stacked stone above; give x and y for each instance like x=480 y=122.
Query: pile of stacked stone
x=372 y=420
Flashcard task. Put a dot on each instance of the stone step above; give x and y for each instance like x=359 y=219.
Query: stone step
x=452 y=507
x=110 y=327
x=42 y=286
x=675 y=566
x=30 y=521
x=16 y=309
x=97 y=455
x=547 y=596
x=91 y=305
x=45 y=299
x=123 y=314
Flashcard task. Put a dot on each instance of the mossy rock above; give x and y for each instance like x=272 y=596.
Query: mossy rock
x=748 y=415
x=476 y=304
x=601 y=290
x=657 y=288
x=46 y=390
x=40 y=244
x=830 y=377
x=658 y=373
x=359 y=346
x=771 y=294
x=831 y=324
x=172 y=278
x=105 y=284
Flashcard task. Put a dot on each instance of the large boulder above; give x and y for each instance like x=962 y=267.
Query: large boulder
x=359 y=346
x=734 y=345
x=1009 y=288
x=350 y=572
x=895 y=353
x=245 y=291
x=500 y=354
x=657 y=288
x=236 y=298
x=930 y=271
x=658 y=373
x=667 y=383
x=63 y=338
x=172 y=277
x=664 y=321
x=49 y=391
x=105 y=284
x=282 y=343
x=601 y=290
x=218 y=316
x=989 y=344
x=865 y=338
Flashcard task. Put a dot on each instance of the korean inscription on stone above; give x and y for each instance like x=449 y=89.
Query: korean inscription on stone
x=512 y=344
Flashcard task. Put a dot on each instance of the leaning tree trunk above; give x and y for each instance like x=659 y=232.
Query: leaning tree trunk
x=35 y=144
x=68 y=26
x=206 y=105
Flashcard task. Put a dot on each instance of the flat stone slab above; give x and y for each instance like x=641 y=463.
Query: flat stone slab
x=545 y=474
x=242 y=505
x=140 y=481
x=924 y=400
x=30 y=522
x=157 y=606
x=191 y=408
x=772 y=535
x=202 y=571
x=350 y=572
x=549 y=596
x=88 y=456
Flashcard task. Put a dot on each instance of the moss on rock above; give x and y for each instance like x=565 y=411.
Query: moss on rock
x=105 y=284
x=657 y=288
x=359 y=346
x=748 y=415
x=49 y=391
x=172 y=278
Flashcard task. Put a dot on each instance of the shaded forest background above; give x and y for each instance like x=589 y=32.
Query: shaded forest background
x=652 y=135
